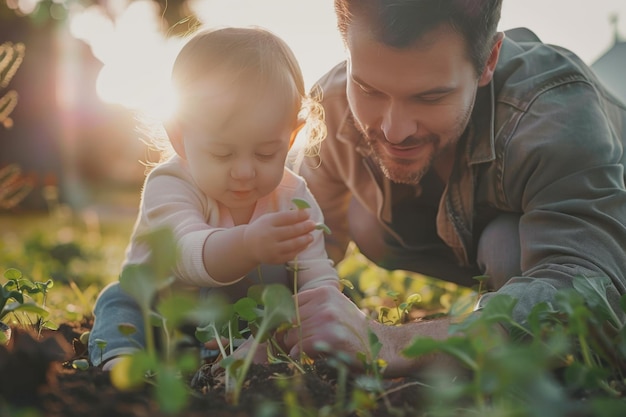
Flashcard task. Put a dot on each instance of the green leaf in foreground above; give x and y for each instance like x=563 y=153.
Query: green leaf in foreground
x=279 y=306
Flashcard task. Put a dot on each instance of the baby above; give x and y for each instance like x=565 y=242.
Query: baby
x=222 y=185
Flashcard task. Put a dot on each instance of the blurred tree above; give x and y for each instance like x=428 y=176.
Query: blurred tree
x=13 y=185
x=177 y=17
x=64 y=136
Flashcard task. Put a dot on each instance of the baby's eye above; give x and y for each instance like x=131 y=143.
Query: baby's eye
x=265 y=156
x=220 y=156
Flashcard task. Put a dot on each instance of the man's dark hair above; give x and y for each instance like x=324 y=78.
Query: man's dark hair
x=402 y=23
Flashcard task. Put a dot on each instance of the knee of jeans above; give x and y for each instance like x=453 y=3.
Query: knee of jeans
x=111 y=294
x=499 y=250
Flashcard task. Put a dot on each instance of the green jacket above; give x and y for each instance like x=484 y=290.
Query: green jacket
x=545 y=141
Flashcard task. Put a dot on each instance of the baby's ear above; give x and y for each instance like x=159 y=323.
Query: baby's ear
x=295 y=132
x=175 y=134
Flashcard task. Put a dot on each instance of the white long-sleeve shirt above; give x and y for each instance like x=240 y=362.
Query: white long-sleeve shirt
x=170 y=198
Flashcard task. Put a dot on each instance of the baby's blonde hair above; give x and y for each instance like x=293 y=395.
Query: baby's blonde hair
x=245 y=53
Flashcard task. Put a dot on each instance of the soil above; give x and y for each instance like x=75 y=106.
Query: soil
x=37 y=379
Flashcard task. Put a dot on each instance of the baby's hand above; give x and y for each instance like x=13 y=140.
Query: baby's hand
x=276 y=238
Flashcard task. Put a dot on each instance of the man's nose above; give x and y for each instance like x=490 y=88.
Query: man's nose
x=397 y=123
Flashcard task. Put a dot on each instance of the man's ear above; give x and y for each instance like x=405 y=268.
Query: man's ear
x=295 y=132
x=490 y=66
x=175 y=135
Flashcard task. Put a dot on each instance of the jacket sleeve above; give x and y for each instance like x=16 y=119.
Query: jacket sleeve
x=562 y=170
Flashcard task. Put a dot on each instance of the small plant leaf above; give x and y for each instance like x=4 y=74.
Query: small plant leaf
x=346 y=283
x=481 y=278
x=176 y=308
x=27 y=307
x=84 y=337
x=48 y=325
x=163 y=251
x=137 y=281
x=128 y=373
x=207 y=333
x=101 y=343
x=457 y=347
x=413 y=299
x=12 y=274
x=126 y=329
x=170 y=391
x=187 y=362
x=80 y=364
x=374 y=343
x=156 y=319
x=211 y=308
x=279 y=308
x=323 y=227
x=300 y=203
x=246 y=307
x=594 y=291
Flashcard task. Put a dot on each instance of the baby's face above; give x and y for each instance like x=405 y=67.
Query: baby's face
x=236 y=141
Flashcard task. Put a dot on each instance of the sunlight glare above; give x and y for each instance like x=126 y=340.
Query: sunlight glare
x=136 y=56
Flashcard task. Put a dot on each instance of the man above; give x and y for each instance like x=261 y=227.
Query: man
x=455 y=150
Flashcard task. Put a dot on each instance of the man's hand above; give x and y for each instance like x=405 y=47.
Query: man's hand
x=276 y=238
x=328 y=318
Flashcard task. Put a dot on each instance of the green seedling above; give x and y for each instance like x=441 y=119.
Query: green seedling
x=303 y=204
x=278 y=310
x=84 y=337
x=401 y=310
x=578 y=337
x=80 y=364
x=16 y=296
x=300 y=205
x=101 y=344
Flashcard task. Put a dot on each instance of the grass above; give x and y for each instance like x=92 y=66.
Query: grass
x=82 y=251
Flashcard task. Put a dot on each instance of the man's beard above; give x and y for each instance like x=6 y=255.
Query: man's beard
x=401 y=171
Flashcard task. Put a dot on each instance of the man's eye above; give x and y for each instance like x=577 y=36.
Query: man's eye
x=367 y=91
x=429 y=99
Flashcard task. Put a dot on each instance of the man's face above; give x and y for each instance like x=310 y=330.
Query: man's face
x=412 y=105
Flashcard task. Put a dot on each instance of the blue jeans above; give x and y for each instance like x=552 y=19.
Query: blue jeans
x=114 y=306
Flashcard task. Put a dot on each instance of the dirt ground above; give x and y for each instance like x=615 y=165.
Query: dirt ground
x=36 y=379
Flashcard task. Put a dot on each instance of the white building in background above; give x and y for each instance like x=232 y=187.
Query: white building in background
x=611 y=66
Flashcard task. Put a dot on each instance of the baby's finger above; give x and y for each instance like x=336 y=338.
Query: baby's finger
x=212 y=344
